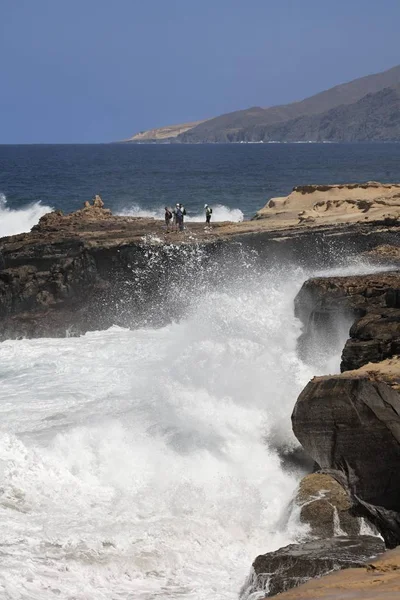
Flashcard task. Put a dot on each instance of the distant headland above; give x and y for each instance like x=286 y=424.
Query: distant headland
x=362 y=110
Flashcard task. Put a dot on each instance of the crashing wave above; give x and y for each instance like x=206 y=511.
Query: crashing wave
x=13 y=221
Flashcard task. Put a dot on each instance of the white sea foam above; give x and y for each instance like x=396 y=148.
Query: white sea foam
x=137 y=464
x=13 y=221
x=220 y=213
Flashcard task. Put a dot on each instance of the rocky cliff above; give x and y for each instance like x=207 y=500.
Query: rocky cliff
x=369 y=303
x=349 y=424
x=334 y=204
x=89 y=269
x=345 y=422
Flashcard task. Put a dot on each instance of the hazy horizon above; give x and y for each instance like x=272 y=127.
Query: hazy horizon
x=89 y=72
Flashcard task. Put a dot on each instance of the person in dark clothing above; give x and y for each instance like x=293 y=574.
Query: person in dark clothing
x=168 y=217
x=178 y=214
x=183 y=209
x=208 y=210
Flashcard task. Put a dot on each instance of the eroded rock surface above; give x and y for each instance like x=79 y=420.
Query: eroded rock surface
x=325 y=204
x=90 y=269
x=371 y=302
x=387 y=253
x=376 y=580
x=326 y=507
x=292 y=565
x=346 y=424
x=350 y=423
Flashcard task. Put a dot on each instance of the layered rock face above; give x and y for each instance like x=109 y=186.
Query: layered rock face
x=350 y=423
x=292 y=565
x=345 y=424
x=334 y=540
x=325 y=204
x=376 y=580
x=370 y=302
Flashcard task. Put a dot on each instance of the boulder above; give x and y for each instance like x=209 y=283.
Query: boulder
x=374 y=337
x=293 y=565
x=326 y=507
x=350 y=424
x=376 y=580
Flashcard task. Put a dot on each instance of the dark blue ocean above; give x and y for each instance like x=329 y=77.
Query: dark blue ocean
x=141 y=179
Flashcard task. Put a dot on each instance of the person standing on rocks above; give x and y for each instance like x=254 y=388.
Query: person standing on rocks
x=208 y=210
x=178 y=217
x=183 y=209
x=168 y=217
x=175 y=221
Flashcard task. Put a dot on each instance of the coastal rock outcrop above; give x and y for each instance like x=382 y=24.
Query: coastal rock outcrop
x=325 y=204
x=326 y=507
x=378 y=579
x=350 y=423
x=91 y=269
x=292 y=565
x=370 y=304
x=345 y=423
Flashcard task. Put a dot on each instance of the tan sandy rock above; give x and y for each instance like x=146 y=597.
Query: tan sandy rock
x=98 y=202
x=387 y=371
x=328 y=204
x=385 y=253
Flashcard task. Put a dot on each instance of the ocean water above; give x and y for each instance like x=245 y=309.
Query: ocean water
x=147 y=464
x=235 y=179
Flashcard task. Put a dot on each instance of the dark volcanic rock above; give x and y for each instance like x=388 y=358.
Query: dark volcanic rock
x=351 y=425
x=374 y=337
x=376 y=580
x=346 y=423
x=370 y=302
x=89 y=269
x=291 y=566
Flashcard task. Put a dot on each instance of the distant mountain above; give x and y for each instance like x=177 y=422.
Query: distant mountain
x=364 y=109
x=376 y=117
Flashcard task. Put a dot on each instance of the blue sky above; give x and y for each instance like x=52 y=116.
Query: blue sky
x=101 y=70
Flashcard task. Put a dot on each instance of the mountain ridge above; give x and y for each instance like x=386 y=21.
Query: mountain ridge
x=308 y=119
